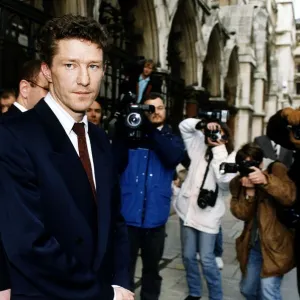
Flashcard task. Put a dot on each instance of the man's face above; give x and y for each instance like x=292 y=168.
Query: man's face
x=94 y=113
x=148 y=68
x=159 y=116
x=37 y=90
x=75 y=74
x=5 y=103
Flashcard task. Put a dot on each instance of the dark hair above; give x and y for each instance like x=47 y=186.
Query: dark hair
x=153 y=96
x=70 y=27
x=6 y=93
x=30 y=70
x=229 y=145
x=251 y=150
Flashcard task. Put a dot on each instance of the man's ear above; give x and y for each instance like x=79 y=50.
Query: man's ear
x=46 y=71
x=24 y=88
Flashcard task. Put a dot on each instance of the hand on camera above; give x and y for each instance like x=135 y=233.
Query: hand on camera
x=214 y=127
x=257 y=177
x=246 y=182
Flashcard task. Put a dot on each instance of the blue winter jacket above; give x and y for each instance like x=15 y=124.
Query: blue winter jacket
x=146 y=181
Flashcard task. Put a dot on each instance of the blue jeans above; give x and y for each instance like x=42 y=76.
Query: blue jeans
x=253 y=287
x=219 y=244
x=191 y=241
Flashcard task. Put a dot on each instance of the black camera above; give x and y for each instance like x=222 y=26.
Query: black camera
x=244 y=168
x=214 y=135
x=296 y=131
x=215 y=115
x=207 y=198
x=134 y=117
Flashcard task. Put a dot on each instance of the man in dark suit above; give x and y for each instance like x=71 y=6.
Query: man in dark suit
x=32 y=87
x=274 y=151
x=60 y=220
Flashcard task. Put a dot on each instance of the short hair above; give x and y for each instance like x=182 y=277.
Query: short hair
x=6 y=93
x=70 y=27
x=30 y=70
x=251 y=150
x=149 y=62
x=155 y=95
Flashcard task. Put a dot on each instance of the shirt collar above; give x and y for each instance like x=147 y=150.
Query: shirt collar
x=65 y=119
x=144 y=79
x=20 y=107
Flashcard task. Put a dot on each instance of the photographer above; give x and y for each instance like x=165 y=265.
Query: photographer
x=265 y=248
x=200 y=203
x=152 y=153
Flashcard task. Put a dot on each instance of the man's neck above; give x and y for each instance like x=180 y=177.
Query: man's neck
x=77 y=116
x=144 y=76
x=22 y=102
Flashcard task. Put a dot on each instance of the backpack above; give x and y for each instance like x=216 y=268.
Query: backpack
x=289 y=216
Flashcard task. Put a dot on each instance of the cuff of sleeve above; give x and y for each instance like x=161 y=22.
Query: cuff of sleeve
x=220 y=152
x=114 y=286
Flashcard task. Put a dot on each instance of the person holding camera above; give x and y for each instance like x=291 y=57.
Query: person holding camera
x=152 y=153
x=200 y=202
x=265 y=247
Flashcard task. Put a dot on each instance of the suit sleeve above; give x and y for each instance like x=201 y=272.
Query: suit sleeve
x=121 y=243
x=29 y=247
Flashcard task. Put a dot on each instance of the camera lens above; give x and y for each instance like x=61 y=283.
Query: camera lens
x=134 y=120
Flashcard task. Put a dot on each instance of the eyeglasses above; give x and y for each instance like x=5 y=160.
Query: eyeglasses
x=34 y=83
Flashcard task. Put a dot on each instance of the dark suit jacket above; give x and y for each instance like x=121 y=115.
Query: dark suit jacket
x=13 y=111
x=59 y=243
x=285 y=155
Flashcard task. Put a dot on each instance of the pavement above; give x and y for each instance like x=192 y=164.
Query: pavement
x=174 y=285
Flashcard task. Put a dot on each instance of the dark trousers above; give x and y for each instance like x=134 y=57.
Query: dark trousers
x=151 y=242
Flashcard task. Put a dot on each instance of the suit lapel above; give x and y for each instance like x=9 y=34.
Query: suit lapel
x=269 y=150
x=103 y=174
x=67 y=161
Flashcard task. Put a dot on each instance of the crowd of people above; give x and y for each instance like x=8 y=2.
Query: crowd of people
x=77 y=205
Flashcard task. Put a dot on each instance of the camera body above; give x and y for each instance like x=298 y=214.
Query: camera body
x=207 y=198
x=243 y=168
x=214 y=135
x=296 y=131
x=219 y=116
x=134 y=117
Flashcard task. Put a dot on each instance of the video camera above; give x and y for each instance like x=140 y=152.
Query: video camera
x=134 y=119
x=131 y=115
x=219 y=116
x=243 y=168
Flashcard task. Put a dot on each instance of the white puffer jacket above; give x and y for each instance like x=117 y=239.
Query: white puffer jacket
x=185 y=203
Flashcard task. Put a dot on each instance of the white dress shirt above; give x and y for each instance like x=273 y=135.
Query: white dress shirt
x=276 y=148
x=20 y=107
x=67 y=123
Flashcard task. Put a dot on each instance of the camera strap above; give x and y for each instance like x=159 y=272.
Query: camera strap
x=205 y=175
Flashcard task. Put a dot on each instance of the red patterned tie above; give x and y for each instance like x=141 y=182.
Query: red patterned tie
x=78 y=128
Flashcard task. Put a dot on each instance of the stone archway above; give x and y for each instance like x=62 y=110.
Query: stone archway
x=211 y=78
x=182 y=58
x=231 y=82
x=145 y=27
x=231 y=78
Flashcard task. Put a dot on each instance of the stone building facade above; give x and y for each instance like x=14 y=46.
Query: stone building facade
x=296 y=98
x=220 y=54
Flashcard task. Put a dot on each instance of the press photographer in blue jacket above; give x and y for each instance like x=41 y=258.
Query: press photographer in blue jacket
x=147 y=170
